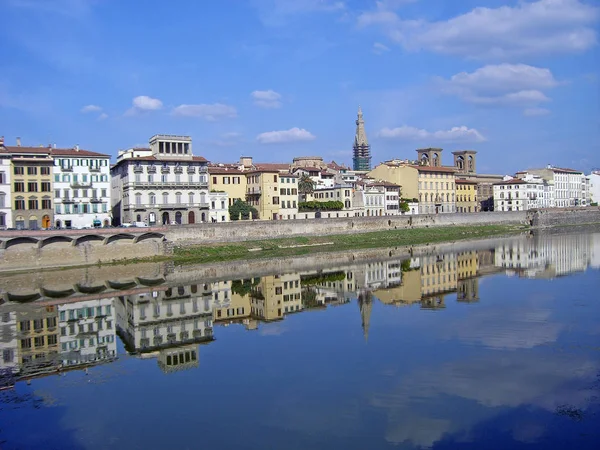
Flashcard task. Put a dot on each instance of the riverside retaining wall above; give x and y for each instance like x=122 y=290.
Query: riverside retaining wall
x=256 y=230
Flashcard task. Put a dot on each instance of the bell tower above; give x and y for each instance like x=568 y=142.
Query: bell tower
x=430 y=157
x=464 y=161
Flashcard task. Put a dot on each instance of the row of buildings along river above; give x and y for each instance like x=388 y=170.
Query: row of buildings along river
x=57 y=327
x=165 y=183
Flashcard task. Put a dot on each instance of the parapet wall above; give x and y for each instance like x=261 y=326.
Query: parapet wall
x=256 y=230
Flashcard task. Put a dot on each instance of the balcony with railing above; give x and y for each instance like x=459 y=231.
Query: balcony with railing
x=254 y=191
x=95 y=169
x=66 y=168
x=144 y=206
x=81 y=184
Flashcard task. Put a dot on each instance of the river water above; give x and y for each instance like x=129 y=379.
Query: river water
x=490 y=346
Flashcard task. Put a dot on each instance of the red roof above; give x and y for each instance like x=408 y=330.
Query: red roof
x=434 y=169
x=56 y=151
x=272 y=166
x=223 y=170
x=161 y=160
x=459 y=181
x=513 y=181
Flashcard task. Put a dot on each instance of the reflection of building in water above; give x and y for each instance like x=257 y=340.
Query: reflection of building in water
x=238 y=309
x=427 y=279
x=467 y=286
x=365 y=304
x=168 y=323
x=335 y=287
x=8 y=340
x=275 y=295
x=37 y=339
x=87 y=331
x=595 y=252
x=546 y=256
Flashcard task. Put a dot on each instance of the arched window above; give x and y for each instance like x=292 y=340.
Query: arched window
x=152 y=197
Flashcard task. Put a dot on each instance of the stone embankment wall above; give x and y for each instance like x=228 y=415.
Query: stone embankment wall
x=251 y=230
x=544 y=218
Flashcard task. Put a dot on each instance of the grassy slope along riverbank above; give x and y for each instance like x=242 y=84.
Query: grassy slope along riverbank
x=297 y=246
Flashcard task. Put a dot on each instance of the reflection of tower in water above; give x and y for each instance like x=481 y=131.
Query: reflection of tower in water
x=365 y=303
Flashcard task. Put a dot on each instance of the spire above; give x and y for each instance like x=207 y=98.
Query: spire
x=360 y=139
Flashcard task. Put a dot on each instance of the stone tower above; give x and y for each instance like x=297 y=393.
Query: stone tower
x=464 y=161
x=362 y=149
x=430 y=157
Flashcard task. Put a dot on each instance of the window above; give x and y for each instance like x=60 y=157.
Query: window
x=32 y=186
x=32 y=203
x=39 y=341
x=178 y=198
x=138 y=199
x=45 y=170
x=26 y=343
x=19 y=186
x=32 y=171
x=275 y=178
x=165 y=198
x=18 y=170
x=46 y=204
x=214 y=180
x=191 y=198
x=152 y=198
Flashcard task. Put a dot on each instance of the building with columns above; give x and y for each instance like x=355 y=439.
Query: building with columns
x=361 y=150
x=163 y=184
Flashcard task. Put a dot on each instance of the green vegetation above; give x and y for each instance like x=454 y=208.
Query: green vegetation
x=404 y=207
x=594 y=204
x=321 y=278
x=244 y=287
x=320 y=206
x=273 y=248
x=306 y=186
x=242 y=209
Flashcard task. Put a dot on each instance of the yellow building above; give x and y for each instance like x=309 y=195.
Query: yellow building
x=262 y=192
x=467 y=271
x=433 y=186
x=230 y=180
x=466 y=196
x=288 y=192
x=31 y=189
x=37 y=334
x=238 y=309
x=275 y=296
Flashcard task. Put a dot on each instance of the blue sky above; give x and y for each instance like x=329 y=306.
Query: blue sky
x=518 y=81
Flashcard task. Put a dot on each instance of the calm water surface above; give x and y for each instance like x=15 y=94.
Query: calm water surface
x=496 y=348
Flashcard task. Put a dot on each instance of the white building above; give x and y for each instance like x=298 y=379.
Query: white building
x=5 y=187
x=372 y=198
x=87 y=331
x=8 y=343
x=392 y=197
x=322 y=178
x=81 y=188
x=164 y=184
x=516 y=194
x=288 y=196
x=594 y=186
x=219 y=209
x=570 y=187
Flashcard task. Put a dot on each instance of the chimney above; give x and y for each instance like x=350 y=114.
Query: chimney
x=1 y=141
x=54 y=146
x=18 y=142
x=76 y=147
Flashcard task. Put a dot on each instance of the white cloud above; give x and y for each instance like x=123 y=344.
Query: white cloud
x=91 y=108
x=455 y=134
x=267 y=99
x=379 y=48
x=103 y=116
x=280 y=137
x=528 y=28
x=145 y=103
x=532 y=112
x=517 y=85
x=215 y=111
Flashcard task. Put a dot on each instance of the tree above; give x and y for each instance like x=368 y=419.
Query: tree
x=242 y=210
x=306 y=186
x=404 y=207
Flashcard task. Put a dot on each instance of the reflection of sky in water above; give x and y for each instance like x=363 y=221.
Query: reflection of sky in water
x=518 y=369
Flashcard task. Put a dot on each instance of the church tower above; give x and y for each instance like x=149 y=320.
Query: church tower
x=365 y=303
x=362 y=150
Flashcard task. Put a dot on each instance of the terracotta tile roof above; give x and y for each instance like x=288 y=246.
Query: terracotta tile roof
x=308 y=169
x=224 y=171
x=434 y=169
x=272 y=166
x=161 y=160
x=559 y=169
x=384 y=183
x=513 y=181
x=56 y=151
x=458 y=181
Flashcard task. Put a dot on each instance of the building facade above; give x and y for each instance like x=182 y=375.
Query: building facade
x=594 y=186
x=229 y=180
x=81 y=188
x=288 y=192
x=6 y=219
x=31 y=190
x=466 y=196
x=262 y=192
x=570 y=186
x=161 y=185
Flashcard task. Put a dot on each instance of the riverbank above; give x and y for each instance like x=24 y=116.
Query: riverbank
x=306 y=245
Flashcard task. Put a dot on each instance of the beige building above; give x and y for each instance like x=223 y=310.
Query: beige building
x=37 y=334
x=288 y=192
x=466 y=196
x=229 y=180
